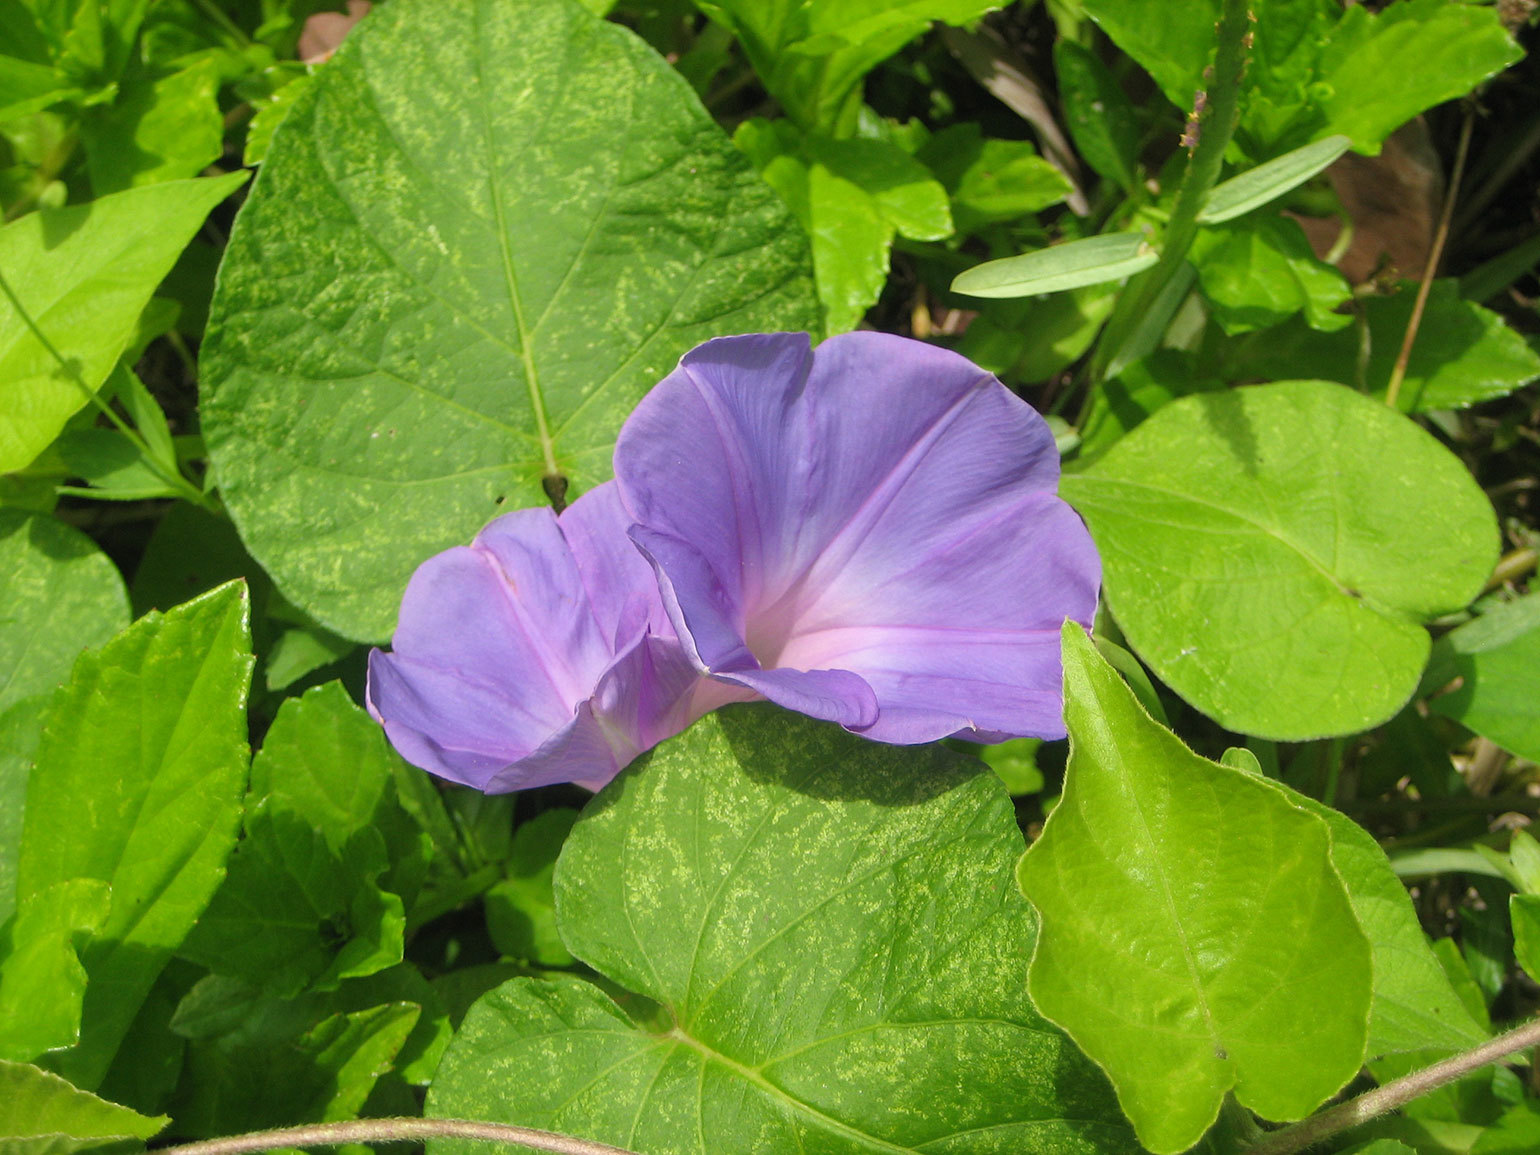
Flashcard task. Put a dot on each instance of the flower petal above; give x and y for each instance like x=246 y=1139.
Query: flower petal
x=884 y=509
x=529 y=658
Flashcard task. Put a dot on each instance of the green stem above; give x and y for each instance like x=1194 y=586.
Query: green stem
x=1214 y=124
x=394 y=1131
x=175 y=481
x=1396 y=1093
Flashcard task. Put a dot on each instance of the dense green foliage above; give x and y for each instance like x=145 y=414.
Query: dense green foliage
x=237 y=411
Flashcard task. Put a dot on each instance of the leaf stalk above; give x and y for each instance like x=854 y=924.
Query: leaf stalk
x=1394 y=1094
x=397 y=1130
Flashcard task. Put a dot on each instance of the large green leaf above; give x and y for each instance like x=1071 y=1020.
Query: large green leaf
x=1463 y=353
x=1272 y=552
x=1497 y=659
x=41 y=1114
x=1191 y=918
x=851 y=196
x=813 y=54
x=467 y=256
x=830 y=928
x=138 y=783
x=81 y=276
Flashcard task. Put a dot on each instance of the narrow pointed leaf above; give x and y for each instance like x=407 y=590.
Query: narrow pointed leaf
x=1186 y=910
x=466 y=257
x=1270 y=180
x=1067 y=266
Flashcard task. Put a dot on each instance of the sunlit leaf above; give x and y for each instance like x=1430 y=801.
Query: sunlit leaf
x=138 y=783
x=831 y=937
x=78 y=279
x=1185 y=906
x=1272 y=552
x=1070 y=265
x=465 y=258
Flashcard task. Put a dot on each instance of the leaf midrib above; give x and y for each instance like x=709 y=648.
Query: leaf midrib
x=526 y=355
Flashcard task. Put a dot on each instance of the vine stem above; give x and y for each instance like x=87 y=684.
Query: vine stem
x=1396 y=1093
x=1435 y=255
x=1213 y=122
x=400 y=1130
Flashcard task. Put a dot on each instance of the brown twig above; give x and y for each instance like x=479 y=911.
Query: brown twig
x=1435 y=254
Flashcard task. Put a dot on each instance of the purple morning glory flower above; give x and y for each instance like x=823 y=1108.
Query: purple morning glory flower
x=868 y=533
x=538 y=654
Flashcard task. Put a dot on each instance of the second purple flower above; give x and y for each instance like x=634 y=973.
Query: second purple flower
x=868 y=533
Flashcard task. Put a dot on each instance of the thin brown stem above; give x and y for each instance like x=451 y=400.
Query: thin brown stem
x=394 y=1131
x=1435 y=255
x=1396 y=1093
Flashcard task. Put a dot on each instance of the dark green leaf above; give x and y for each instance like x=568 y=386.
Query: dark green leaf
x=1271 y=552
x=1496 y=657
x=316 y=888
x=138 y=783
x=990 y=180
x=273 y=1071
x=831 y=927
x=521 y=909
x=1184 y=904
x=1097 y=113
x=1463 y=353
x=528 y=219
x=294 y=914
x=813 y=54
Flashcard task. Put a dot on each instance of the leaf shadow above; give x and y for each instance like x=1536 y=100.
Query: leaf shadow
x=822 y=760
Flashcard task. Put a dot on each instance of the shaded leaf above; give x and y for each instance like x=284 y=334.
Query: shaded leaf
x=1184 y=906
x=1271 y=552
x=528 y=219
x=1463 y=353
x=1097 y=113
x=813 y=54
x=1497 y=659
x=156 y=130
x=989 y=180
